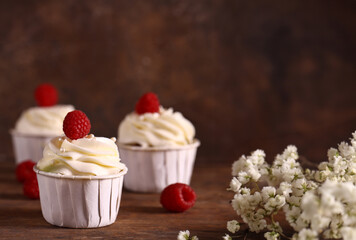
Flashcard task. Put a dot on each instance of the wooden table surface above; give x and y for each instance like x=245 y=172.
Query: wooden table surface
x=141 y=215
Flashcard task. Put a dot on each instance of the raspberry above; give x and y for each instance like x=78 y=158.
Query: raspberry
x=25 y=171
x=76 y=125
x=178 y=197
x=46 y=95
x=30 y=188
x=148 y=103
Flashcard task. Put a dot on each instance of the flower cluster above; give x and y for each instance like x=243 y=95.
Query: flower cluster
x=185 y=235
x=341 y=165
x=315 y=203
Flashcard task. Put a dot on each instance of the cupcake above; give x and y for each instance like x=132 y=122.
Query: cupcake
x=80 y=177
x=37 y=125
x=158 y=145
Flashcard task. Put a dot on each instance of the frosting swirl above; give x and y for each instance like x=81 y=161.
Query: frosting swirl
x=43 y=120
x=163 y=129
x=96 y=156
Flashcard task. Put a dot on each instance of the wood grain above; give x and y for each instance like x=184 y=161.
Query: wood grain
x=141 y=215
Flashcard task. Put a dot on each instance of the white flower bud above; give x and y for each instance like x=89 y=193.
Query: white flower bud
x=233 y=226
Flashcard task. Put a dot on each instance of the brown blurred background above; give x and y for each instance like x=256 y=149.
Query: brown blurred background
x=248 y=74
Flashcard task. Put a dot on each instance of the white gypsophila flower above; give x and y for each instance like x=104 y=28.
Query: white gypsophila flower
x=235 y=203
x=345 y=191
x=275 y=203
x=348 y=233
x=353 y=139
x=334 y=227
x=243 y=177
x=294 y=201
x=346 y=150
x=242 y=204
x=260 y=154
x=321 y=176
x=227 y=237
x=341 y=166
x=265 y=172
x=275 y=227
x=285 y=168
x=238 y=165
x=311 y=212
x=330 y=234
x=268 y=192
x=235 y=185
x=332 y=204
x=183 y=235
x=291 y=175
x=349 y=218
x=290 y=152
x=271 y=235
x=254 y=173
x=245 y=190
x=250 y=165
x=301 y=186
x=257 y=226
x=257 y=158
x=332 y=152
x=307 y=234
x=255 y=199
x=292 y=213
x=309 y=174
x=261 y=212
x=254 y=218
x=233 y=226
x=285 y=189
x=329 y=207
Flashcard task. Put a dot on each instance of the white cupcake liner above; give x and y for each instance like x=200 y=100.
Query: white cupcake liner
x=152 y=169
x=80 y=201
x=28 y=147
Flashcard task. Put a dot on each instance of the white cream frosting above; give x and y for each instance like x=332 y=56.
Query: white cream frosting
x=163 y=129
x=96 y=156
x=43 y=120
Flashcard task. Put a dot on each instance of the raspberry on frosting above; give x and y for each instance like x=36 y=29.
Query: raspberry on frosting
x=76 y=125
x=148 y=103
x=178 y=197
x=46 y=95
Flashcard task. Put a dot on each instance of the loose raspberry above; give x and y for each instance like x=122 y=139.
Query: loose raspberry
x=46 y=95
x=30 y=188
x=148 y=103
x=25 y=171
x=76 y=125
x=178 y=197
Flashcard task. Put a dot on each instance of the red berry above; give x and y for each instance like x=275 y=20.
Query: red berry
x=148 y=103
x=76 y=125
x=178 y=197
x=30 y=188
x=46 y=95
x=25 y=171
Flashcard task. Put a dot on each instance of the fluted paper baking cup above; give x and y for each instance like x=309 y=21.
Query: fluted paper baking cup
x=152 y=169
x=80 y=201
x=28 y=147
